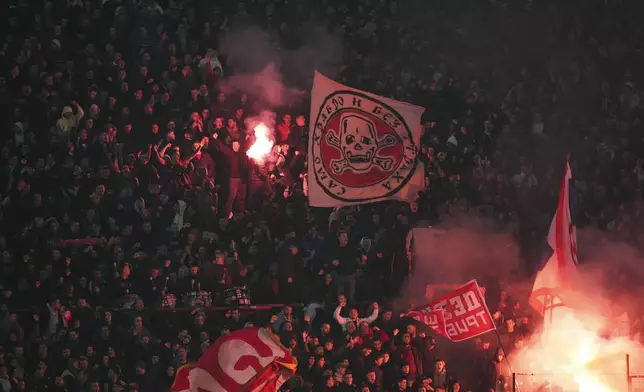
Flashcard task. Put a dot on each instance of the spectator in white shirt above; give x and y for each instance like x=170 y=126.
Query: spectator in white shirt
x=353 y=315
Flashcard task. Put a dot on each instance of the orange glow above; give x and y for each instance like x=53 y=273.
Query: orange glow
x=571 y=353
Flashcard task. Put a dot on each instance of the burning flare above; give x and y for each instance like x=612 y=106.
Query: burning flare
x=262 y=145
x=571 y=353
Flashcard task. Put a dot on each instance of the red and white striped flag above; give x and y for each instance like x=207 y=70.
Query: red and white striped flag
x=562 y=236
x=247 y=360
x=561 y=269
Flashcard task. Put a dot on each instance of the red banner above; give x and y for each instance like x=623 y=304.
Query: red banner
x=458 y=315
x=430 y=317
x=248 y=360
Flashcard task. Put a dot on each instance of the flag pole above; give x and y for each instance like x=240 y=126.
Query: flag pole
x=507 y=359
x=547 y=309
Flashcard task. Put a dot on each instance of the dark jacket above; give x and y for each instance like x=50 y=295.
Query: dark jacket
x=237 y=163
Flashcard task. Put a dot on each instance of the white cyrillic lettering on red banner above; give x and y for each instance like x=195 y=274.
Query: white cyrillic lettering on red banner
x=463 y=312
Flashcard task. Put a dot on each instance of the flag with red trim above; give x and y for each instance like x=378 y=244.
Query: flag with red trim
x=561 y=269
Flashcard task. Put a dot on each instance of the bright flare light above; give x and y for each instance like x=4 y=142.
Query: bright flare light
x=571 y=354
x=262 y=145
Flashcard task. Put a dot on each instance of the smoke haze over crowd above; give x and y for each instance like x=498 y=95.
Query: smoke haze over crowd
x=459 y=249
x=466 y=246
x=260 y=63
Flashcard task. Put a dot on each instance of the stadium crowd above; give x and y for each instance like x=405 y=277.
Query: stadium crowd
x=126 y=191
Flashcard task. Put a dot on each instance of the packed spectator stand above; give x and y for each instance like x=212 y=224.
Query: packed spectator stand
x=134 y=230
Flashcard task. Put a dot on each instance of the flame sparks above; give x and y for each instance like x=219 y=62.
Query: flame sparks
x=571 y=354
x=262 y=145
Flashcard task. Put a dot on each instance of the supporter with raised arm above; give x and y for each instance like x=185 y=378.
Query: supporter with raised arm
x=238 y=172
x=69 y=122
x=122 y=208
x=353 y=315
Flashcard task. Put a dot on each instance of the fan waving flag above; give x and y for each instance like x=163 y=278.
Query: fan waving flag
x=362 y=148
x=459 y=315
x=561 y=269
x=562 y=236
x=248 y=360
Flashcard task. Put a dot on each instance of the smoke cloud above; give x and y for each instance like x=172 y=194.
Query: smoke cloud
x=266 y=85
x=583 y=348
x=265 y=117
x=463 y=247
x=468 y=246
x=613 y=269
x=276 y=76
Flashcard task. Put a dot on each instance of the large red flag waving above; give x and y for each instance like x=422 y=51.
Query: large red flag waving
x=247 y=360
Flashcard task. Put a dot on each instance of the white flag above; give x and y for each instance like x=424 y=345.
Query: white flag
x=362 y=148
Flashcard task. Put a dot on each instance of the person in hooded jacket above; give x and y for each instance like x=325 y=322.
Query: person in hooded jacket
x=68 y=122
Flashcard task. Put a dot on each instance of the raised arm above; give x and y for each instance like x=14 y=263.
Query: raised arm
x=374 y=314
x=163 y=150
x=222 y=147
x=148 y=156
x=160 y=155
x=80 y=112
x=336 y=315
x=277 y=325
x=194 y=155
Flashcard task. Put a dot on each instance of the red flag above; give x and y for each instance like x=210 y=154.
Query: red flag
x=430 y=317
x=561 y=269
x=247 y=360
x=458 y=315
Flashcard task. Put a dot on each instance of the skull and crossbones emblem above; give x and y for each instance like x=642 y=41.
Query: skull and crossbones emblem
x=359 y=145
